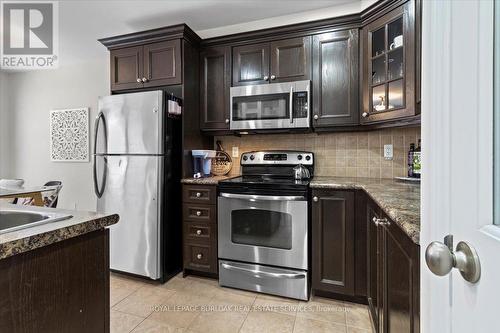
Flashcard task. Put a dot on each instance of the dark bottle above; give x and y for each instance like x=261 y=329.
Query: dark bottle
x=417 y=161
x=410 y=159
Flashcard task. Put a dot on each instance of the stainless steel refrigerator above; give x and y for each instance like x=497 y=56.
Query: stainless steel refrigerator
x=137 y=175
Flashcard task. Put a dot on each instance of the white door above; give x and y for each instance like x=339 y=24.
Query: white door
x=458 y=161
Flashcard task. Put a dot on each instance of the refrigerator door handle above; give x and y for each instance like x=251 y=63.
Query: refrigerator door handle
x=99 y=192
x=100 y=117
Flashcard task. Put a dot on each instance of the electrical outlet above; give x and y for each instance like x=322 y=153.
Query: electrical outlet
x=236 y=152
x=388 y=154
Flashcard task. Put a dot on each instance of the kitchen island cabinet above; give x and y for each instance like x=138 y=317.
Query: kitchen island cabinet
x=54 y=277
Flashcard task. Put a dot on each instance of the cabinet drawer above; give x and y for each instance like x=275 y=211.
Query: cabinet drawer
x=199 y=232
x=200 y=257
x=194 y=212
x=199 y=194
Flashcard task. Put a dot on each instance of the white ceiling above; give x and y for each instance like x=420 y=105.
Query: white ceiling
x=81 y=22
x=198 y=14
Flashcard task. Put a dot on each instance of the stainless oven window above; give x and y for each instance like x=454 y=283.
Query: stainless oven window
x=259 y=107
x=259 y=227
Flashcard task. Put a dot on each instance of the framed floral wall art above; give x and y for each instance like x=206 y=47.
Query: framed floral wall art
x=69 y=135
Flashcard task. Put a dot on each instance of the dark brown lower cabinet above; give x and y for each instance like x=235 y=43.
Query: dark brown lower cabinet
x=199 y=215
x=62 y=287
x=393 y=275
x=333 y=242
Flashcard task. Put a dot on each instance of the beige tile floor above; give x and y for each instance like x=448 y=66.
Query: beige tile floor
x=199 y=305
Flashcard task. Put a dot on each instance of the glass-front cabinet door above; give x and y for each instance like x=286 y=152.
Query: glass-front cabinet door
x=389 y=66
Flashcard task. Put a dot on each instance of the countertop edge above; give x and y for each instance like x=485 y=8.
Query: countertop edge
x=33 y=242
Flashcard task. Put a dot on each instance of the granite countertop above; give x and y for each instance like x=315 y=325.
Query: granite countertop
x=399 y=200
x=23 y=240
x=214 y=180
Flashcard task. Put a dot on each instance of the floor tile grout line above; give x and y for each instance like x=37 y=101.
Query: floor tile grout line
x=246 y=317
x=129 y=314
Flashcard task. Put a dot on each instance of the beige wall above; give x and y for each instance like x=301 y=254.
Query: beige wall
x=5 y=132
x=352 y=154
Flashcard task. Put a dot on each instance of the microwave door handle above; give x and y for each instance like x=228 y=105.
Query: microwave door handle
x=262 y=197
x=291 y=104
x=270 y=274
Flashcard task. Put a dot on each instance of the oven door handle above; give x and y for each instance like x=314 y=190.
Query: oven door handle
x=263 y=197
x=270 y=274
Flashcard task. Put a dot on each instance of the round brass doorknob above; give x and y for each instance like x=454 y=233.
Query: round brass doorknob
x=315 y=199
x=266 y=78
x=227 y=121
x=198 y=213
x=273 y=77
x=199 y=256
x=316 y=117
x=198 y=232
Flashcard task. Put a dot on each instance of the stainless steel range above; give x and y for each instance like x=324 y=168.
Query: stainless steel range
x=263 y=224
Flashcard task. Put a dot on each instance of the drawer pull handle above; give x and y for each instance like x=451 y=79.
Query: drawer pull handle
x=198 y=194
x=198 y=232
x=198 y=213
x=199 y=256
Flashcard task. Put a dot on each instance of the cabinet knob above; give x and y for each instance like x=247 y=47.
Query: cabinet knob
x=198 y=194
x=365 y=114
x=144 y=80
x=199 y=256
x=266 y=77
x=198 y=213
x=139 y=80
x=198 y=232
x=273 y=77
x=316 y=117
x=227 y=121
x=315 y=199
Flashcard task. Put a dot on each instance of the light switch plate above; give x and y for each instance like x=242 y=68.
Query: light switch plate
x=236 y=152
x=388 y=153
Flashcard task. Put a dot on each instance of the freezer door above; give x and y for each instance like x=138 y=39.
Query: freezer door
x=133 y=189
x=130 y=124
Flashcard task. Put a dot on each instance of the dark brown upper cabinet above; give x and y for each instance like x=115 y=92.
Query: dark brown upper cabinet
x=277 y=61
x=389 y=79
x=335 y=78
x=250 y=64
x=291 y=59
x=162 y=63
x=150 y=65
x=126 y=68
x=215 y=81
x=333 y=242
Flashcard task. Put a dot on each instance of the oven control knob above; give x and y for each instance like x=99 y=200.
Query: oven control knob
x=252 y=157
x=299 y=157
x=245 y=157
x=308 y=158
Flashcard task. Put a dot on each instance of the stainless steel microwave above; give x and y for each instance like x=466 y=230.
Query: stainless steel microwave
x=271 y=106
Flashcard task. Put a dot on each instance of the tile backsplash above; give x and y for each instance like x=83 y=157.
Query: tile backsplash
x=347 y=154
